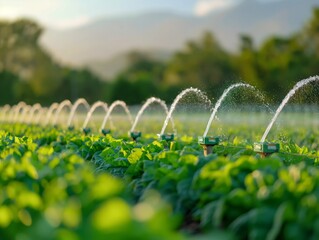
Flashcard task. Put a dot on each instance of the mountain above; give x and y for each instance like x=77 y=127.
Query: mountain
x=99 y=42
x=109 y=37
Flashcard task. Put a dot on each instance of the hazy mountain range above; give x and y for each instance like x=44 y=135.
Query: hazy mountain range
x=102 y=44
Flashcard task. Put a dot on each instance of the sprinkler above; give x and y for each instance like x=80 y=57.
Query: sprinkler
x=208 y=143
x=167 y=137
x=105 y=131
x=135 y=135
x=265 y=148
x=86 y=131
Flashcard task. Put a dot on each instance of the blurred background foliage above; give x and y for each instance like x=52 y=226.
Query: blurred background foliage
x=29 y=73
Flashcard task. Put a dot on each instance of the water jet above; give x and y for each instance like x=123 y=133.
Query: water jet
x=112 y=107
x=148 y=102
x=80 y=101
x=265 y=148
x=198 y=92
x=64 y=104
x=209 y=142
x=91 y=111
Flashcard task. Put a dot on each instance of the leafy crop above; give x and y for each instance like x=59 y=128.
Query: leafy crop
x=58 y=184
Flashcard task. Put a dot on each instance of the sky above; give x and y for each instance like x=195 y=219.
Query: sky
x=74 y=13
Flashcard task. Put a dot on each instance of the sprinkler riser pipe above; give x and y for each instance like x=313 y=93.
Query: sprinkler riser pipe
x=208 y=149
x=208 y=143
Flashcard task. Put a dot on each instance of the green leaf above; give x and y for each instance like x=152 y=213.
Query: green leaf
x=135 y=155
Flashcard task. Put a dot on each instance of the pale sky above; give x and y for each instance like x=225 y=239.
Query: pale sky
x=74 y=13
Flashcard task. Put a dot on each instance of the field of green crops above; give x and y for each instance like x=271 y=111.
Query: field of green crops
x=59 y=184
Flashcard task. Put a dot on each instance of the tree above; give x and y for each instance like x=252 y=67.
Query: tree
x=46 y=75
x=202 y=64
x=9 y=87
x=310 y=34
x=309 y=39
x=247 y=62
x=134 y=89
x=282 y=63
x=140 y=80
x=18 y=44
x=76 y=84
x=22 y=55
x=42 y=79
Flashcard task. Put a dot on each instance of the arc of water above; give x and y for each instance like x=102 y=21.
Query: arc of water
x=80 y=101
x=19 y=107
x=292 y=92
x=63 y=104
x=5 y=110
x=11 y=113
x=146 y=105
x=92 y=109
x=220 y=101
x=25 y=110
x=36 y=107
x=52 y=108
x=175 y=102
x=113 y=105
x=41 y=113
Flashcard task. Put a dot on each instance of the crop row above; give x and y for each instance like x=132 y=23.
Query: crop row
x=58 y=184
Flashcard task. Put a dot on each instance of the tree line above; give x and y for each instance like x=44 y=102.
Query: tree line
x=29 y=73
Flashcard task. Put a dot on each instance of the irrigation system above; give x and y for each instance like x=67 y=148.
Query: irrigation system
x=25 y=113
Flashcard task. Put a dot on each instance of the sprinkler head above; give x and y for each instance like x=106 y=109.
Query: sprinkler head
x=71 y=128
x=135 y=135
x=212 y=141
x=167 y=137
x=86 y=131
x=208 y=143
x=105 y=131
x=265 y=148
